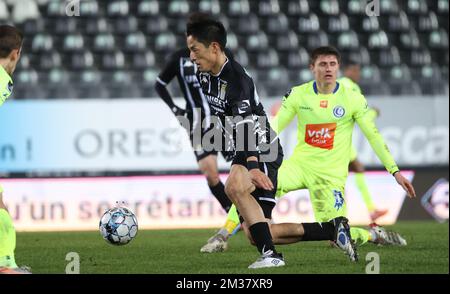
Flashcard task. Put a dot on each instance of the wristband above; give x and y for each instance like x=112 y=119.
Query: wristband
x=252 y=165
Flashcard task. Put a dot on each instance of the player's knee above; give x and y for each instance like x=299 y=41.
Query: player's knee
x=235 y=190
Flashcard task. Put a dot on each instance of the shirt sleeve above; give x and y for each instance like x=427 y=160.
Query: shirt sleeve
x=5 y=91
x=166 y=75
x=169 y=71
x=242 y=106
x=285 y=114
x=366 y=122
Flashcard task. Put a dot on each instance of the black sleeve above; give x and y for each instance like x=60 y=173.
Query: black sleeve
x=164 y=94
x=168 y=73
x=242 y=110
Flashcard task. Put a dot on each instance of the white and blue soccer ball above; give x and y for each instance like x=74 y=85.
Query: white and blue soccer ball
x=118 y=226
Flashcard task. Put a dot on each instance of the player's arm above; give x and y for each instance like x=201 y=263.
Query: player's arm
x=367 y=125
x=285 y=114
x=164 y=78
x=245 y=139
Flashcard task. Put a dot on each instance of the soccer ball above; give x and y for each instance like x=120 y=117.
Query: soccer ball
x=118 y=226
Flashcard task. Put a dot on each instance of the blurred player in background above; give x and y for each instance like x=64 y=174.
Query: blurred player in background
x=197 y=111
x=351 y=78
x=252 y=181
x=10 y=49
x=326 y=112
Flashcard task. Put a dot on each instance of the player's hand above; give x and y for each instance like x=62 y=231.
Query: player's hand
x=260 y=180
x=406 y=185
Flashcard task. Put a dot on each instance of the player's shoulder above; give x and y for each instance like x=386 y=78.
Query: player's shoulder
x=302 y=89
x=236 y=68
x=235 y=71
x=349 y=91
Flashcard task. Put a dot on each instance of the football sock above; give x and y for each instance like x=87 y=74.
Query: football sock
x=361 y=183
x=318 y=231
x=224 y=233
x=232 y=220
x=219 y=192
x=261 y=235
x=7 y=240
x=361 y=236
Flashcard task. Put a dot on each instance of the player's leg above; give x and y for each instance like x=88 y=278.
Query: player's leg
x=7 y=237
x=328 y=202
x=218 y=242
x=207 y=163
x=241 y=191
x=336 y=230
x=358 y=168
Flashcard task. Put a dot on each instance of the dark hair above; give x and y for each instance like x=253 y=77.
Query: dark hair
x=10 y=38
x=325 y=50
x=208 y=31
x=197 y=17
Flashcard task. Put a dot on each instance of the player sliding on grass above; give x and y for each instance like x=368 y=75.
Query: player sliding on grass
x=252 y=182
x=326 y=113
x=10 y=49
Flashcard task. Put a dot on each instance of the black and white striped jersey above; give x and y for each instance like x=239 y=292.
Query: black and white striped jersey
x=181 y=66
x=233 y=98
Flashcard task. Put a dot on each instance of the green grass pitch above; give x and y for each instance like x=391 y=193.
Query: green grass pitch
x=177 y=252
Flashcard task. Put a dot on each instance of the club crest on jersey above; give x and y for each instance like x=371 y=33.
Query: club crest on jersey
x=338 y=199
x=223 y=91
x=339 y=111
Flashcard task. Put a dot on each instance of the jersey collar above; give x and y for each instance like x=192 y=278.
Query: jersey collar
x=317 y=90
x=225 y=63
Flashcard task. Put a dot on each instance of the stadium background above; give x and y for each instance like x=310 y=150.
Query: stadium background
x=84 y=116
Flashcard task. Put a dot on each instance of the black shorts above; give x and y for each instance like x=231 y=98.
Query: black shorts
x=265 y=199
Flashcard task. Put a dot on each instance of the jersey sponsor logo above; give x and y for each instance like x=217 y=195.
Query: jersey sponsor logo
x=305 y=108
x=338 y=199
x=204 y=79
x=339 y=111
x=320 y=135
x=324 y=104
x=191 y=79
